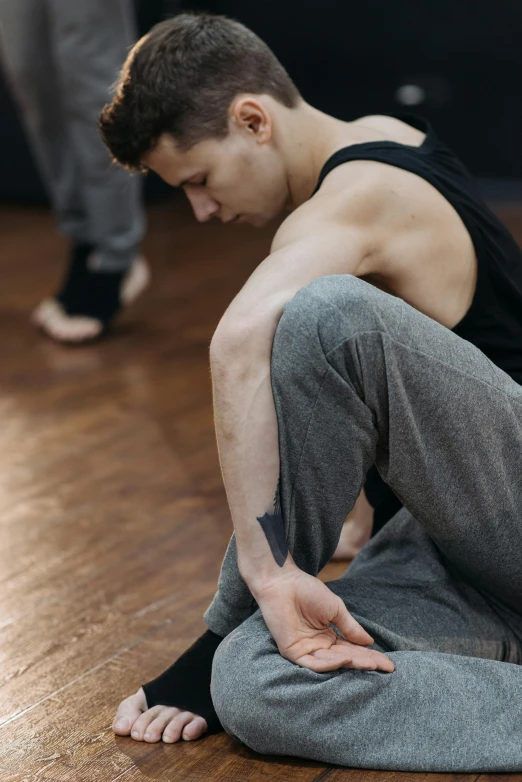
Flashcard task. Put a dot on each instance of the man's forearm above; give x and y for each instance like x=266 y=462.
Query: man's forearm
x=247 y=437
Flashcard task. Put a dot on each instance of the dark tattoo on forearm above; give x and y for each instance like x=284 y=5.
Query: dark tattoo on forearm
x=273 y=527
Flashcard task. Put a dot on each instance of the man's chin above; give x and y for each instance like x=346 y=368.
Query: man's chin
x=258 y=221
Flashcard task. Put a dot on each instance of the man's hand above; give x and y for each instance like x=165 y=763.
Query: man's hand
x=298 y=609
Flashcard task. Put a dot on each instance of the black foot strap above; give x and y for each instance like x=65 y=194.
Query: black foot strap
x=186 y=684
x=90 y=293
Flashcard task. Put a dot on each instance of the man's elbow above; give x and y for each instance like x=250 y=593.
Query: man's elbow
x=242 y=340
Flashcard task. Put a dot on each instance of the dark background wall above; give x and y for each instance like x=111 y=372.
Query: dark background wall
x=456 y=62
x=351 y=59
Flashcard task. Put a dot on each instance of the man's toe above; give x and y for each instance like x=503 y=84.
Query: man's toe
x=128 y=712
x=141 y=725
x=176 y=725
x=155 y=730
x=194 y=729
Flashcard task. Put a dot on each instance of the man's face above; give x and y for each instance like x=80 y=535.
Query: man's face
x=235 y=179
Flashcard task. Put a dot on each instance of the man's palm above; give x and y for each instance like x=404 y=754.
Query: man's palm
x=298 y=610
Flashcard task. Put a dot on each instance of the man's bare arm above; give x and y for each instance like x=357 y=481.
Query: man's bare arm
x=245 y=418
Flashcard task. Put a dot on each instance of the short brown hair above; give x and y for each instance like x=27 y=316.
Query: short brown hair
x=182 y=77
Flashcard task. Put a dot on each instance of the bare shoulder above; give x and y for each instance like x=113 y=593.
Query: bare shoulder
x=380 y=127
x=350 y=199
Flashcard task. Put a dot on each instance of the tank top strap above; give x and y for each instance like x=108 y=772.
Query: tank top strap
x=377 y=150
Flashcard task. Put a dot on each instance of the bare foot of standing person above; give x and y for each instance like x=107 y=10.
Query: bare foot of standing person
x=89 y=300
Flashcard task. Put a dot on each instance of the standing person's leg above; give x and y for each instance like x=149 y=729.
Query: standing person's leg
x=361 y=377
x=30 y=67
x=96 y=205
x=90 y=42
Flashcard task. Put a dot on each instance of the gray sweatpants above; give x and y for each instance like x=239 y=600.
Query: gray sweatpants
x=359 y=377
x=62 y=57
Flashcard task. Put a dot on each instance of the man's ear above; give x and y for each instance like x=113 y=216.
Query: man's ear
x=251 y=116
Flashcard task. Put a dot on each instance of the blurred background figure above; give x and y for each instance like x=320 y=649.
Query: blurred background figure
x=60 y=57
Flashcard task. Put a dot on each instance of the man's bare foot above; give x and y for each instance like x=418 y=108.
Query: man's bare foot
x=52 y=318
x=357 y=529
x=161 y=723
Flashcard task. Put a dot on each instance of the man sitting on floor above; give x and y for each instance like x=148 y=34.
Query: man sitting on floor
x=383 y=328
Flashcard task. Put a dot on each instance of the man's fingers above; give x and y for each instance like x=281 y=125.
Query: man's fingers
x=358 y=658
x=323 y=663
x=364 y=658
x=349 y=627
x=369 y=659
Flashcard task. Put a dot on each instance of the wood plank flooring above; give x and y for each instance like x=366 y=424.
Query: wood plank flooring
x=113 y=518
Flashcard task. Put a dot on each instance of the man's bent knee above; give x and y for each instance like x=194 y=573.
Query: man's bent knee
x=333 y=309
x=275 y=707
x=242 y=676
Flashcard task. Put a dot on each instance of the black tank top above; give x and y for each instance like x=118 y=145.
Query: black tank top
x=494 y=320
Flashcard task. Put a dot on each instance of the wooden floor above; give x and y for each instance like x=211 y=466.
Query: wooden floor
x=113 y=518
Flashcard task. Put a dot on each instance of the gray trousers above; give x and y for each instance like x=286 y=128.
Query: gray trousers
x=61 y=57
x=359 y=377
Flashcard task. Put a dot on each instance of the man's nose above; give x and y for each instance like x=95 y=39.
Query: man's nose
x=203 y=206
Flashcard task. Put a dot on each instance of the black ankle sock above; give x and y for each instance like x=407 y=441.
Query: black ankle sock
x=90 y=293
x=186 y=684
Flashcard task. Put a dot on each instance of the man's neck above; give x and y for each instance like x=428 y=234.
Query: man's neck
x=308 y=137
